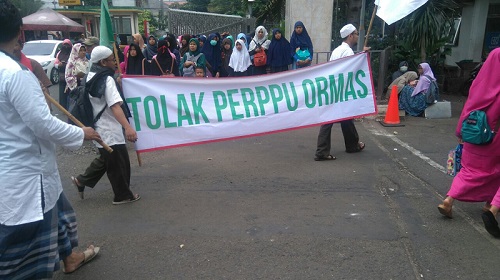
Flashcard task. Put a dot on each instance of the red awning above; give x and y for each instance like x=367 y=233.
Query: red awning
x=50 y=20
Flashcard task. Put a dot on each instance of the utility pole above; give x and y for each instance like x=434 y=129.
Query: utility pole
x=362 y=32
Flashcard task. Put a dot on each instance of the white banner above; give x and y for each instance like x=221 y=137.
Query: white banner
x=393 y=10
x=172 y=112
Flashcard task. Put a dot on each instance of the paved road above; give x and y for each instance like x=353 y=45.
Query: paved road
x=262 y=208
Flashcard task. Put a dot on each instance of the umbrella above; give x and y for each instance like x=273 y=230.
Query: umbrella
x=50 y=20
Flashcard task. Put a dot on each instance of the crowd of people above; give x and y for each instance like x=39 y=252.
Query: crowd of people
x=34 y=209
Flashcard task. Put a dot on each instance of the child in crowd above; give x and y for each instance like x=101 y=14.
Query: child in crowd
x=240 y=60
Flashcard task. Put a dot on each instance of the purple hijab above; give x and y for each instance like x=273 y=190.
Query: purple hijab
x=424 y=83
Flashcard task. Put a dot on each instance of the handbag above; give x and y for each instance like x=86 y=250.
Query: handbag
x=168 y=73
x=453 y=164
x=303 y=54
x=475 y=129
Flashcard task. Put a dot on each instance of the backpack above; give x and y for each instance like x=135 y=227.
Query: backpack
x=82 y=109
x=260 y=58
x=476 y=130
x=432 y=93
x=189 y=71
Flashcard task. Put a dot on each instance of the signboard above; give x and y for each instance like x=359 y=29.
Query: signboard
x=70 y=2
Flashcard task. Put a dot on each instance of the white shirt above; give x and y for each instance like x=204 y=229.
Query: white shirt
x=28 y=134
x=107 y=126
x=341 y=51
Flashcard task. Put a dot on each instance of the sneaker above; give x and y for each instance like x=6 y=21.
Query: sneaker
x=134 y=199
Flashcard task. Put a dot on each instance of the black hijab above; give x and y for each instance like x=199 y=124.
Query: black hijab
x=279 y=51
x=134 y=63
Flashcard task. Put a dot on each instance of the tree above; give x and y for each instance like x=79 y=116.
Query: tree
x=425 y=29
x=27 y=7
x=196 y=5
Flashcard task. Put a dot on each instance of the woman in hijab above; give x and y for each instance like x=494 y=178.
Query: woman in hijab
x=192 y=59
x=240 y=60
x=138 y=40
x=403 y=67
x=77 y=68
x=243 y=36
x=123 y=65
x=136 y=62
x=479 y=179
x=259 y=43
x=151 y=48
x=302 y=47
x=62 y=58
x=173 y=47
x=212 y=53
x=164 y=62
x=184 y=44
x=412 y=97
x=403 y=81
x=279 y=53
x=227 y=50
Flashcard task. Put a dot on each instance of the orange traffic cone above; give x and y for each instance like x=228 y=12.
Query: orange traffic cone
x=392 y=114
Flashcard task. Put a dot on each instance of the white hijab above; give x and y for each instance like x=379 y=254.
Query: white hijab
x=240 y=60
x=264 y=42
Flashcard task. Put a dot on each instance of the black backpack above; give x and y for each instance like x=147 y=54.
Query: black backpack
x=432 y=93
x=82 y=109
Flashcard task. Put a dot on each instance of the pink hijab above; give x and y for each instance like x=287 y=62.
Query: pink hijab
x=484 y=92
x=423 y=82
x=123 y=64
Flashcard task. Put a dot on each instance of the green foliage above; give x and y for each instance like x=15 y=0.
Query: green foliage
x=27 y=7
x=153 y=22
x=425 y=29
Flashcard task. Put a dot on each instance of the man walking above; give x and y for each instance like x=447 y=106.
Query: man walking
x=351 y=138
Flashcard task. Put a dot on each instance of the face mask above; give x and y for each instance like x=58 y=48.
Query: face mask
x=403 y=68
x=213 y=42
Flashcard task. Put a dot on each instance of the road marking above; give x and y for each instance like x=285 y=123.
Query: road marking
x=412 y=150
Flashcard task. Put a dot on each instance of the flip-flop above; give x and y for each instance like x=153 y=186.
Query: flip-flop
x=80 y=189
x=361 y=146
x=89 y=254
x=329 y=157
x=134 y=199
x=491 y=224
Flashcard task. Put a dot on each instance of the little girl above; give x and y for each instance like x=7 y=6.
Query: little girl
x=240 y=60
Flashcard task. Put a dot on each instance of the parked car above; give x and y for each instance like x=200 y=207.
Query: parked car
x=45 y=52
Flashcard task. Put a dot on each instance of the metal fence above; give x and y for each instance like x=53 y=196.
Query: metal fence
x=190 y=22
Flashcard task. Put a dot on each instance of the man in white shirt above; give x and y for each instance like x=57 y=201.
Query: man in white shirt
x=351 y=138
x=37 y=223
x=111 y=123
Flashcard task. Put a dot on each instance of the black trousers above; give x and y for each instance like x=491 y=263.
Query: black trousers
x=351 y=138
x=117 y=167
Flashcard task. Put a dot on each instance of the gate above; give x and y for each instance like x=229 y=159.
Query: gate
x=189 y=22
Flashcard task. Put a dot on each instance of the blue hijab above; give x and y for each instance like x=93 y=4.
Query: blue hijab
x=302 y=40
x=212 y=53
x=278 y=54
x=244 y=37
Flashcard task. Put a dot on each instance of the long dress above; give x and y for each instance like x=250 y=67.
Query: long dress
x=413 y=105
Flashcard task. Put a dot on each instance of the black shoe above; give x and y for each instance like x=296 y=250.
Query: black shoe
x=491 y=224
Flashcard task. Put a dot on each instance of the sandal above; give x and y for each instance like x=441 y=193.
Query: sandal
x=360 y=147
x=77 y=185
x=134 y=199
x=88 y=255
x=329 y=157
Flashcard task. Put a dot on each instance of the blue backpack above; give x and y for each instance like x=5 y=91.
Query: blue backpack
x=432 y=93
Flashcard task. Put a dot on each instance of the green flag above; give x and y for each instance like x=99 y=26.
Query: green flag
x=106 y=27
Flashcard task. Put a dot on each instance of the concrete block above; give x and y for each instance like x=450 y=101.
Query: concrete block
x=439 y=110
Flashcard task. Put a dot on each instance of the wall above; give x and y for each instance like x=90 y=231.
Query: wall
x=317 y=18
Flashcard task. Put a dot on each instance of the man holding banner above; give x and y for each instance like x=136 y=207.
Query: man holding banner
x=351 y=138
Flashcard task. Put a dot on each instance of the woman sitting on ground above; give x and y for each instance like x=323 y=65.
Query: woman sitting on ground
x=403 y=81
x=412 y=97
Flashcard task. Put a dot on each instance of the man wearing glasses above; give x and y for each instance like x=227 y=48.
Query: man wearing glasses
x=351 y=138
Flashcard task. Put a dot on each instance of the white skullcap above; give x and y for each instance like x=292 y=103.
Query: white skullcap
x=346 y=30
x=99 y=53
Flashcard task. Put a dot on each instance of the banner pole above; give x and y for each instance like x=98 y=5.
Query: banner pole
x=115 y=51
x=73 y=119
x=370 y=26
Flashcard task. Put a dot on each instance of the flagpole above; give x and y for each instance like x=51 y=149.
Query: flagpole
x=73 y=119
x=370 y=26
x=115 y=51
